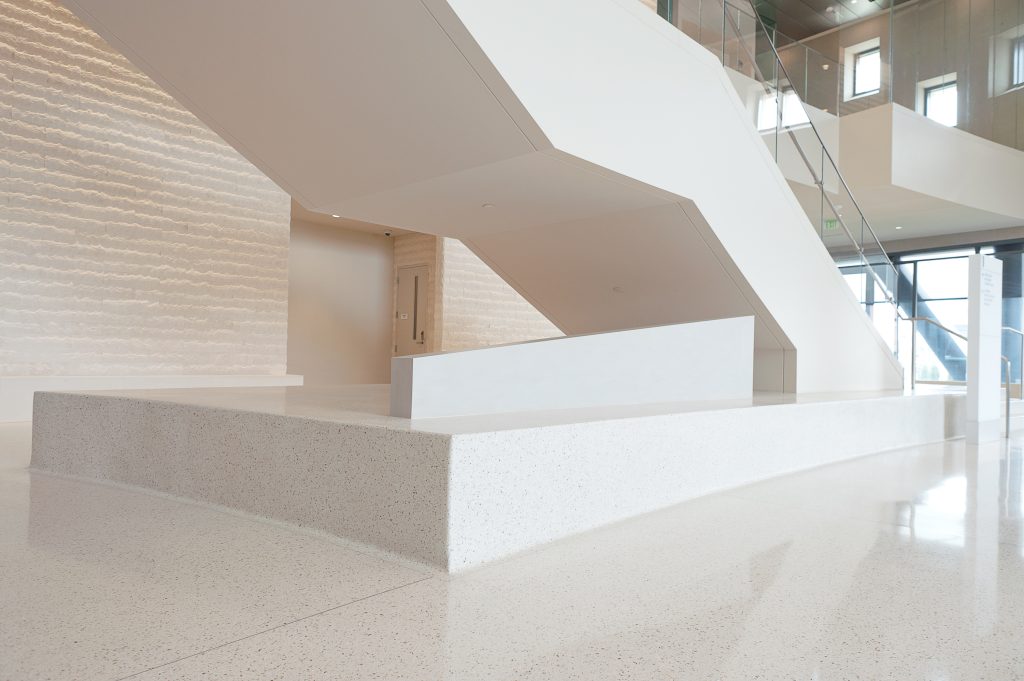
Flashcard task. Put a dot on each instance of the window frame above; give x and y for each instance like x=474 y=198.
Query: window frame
x=929 y=89
x=857 y=56
x=786 y=119
x=1017 y=61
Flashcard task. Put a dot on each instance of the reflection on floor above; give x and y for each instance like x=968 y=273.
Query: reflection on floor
x=904 y=565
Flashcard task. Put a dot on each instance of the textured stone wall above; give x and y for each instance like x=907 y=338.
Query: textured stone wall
x=479 y=308
x=469 y=305
x=133 y=240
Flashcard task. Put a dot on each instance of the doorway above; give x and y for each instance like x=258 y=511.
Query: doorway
x=411 y=310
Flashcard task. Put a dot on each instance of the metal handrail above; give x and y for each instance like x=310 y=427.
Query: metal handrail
x=782 y=66
x=913 y=358
x=1021 y=334
x=890 y=296
x=819 y=182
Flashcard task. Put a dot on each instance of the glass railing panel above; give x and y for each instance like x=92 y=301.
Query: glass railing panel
x=886 y=320
x=967 y=44
x=686 y=16
x=882 y=269
x=844 y=206
x=711 y=25
x=794 y=62
x=824 y=80
x=835 y=232
x=800 y=158
x=764 y=51
x=821 y=103
x=873 y=298
x=884 y=281
x=742 y=35
x=774 y=76
x=756 y=80
x=974 y=45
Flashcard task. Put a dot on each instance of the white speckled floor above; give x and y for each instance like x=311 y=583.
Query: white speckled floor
x=904 y=565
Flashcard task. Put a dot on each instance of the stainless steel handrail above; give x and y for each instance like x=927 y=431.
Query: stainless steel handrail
x=913 y=359
x=1021 y=334
x=819 y=180
x=782 y=66
x=1006 y=363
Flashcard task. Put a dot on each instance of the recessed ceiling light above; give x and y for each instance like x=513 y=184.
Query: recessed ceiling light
x=899 y=226
x=335 y=216
x=487 y=205
x=824 y=67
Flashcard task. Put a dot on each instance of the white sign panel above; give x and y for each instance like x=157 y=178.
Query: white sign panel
x=984 y=333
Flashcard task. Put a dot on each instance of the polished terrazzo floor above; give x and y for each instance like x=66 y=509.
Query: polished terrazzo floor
x=904 y=565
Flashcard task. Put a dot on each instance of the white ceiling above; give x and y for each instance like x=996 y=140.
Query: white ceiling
x=898 y=213
x=301 y=214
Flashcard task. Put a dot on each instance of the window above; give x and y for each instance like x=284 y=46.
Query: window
x=1018 y=62
x=940 y=103
x=1006 y=68
x=867 y=72
x=862 y=69
x=793 y=113
x=934 y=284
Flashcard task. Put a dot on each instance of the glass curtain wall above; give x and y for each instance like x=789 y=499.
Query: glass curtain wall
x=934 y=285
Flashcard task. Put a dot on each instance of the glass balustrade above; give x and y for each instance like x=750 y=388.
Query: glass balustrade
x=960 y=64
x=792 y=95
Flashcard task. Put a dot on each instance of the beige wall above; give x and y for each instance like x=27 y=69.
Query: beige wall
x=342 y=302
x=339 y=305
x=931 y=39
x=133 y=241
x=479 y=309
x=469 y=305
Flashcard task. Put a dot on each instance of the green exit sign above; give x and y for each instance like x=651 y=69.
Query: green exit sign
x=831 y=225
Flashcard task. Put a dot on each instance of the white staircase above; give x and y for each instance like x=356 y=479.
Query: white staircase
x=598 y=159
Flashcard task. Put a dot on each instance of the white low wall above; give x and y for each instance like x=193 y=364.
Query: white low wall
x=675 y=363
x=16 y=391
x=436 y=491
x=541 y=484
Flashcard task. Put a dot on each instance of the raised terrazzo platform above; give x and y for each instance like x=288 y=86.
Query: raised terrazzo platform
x=455 y=493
